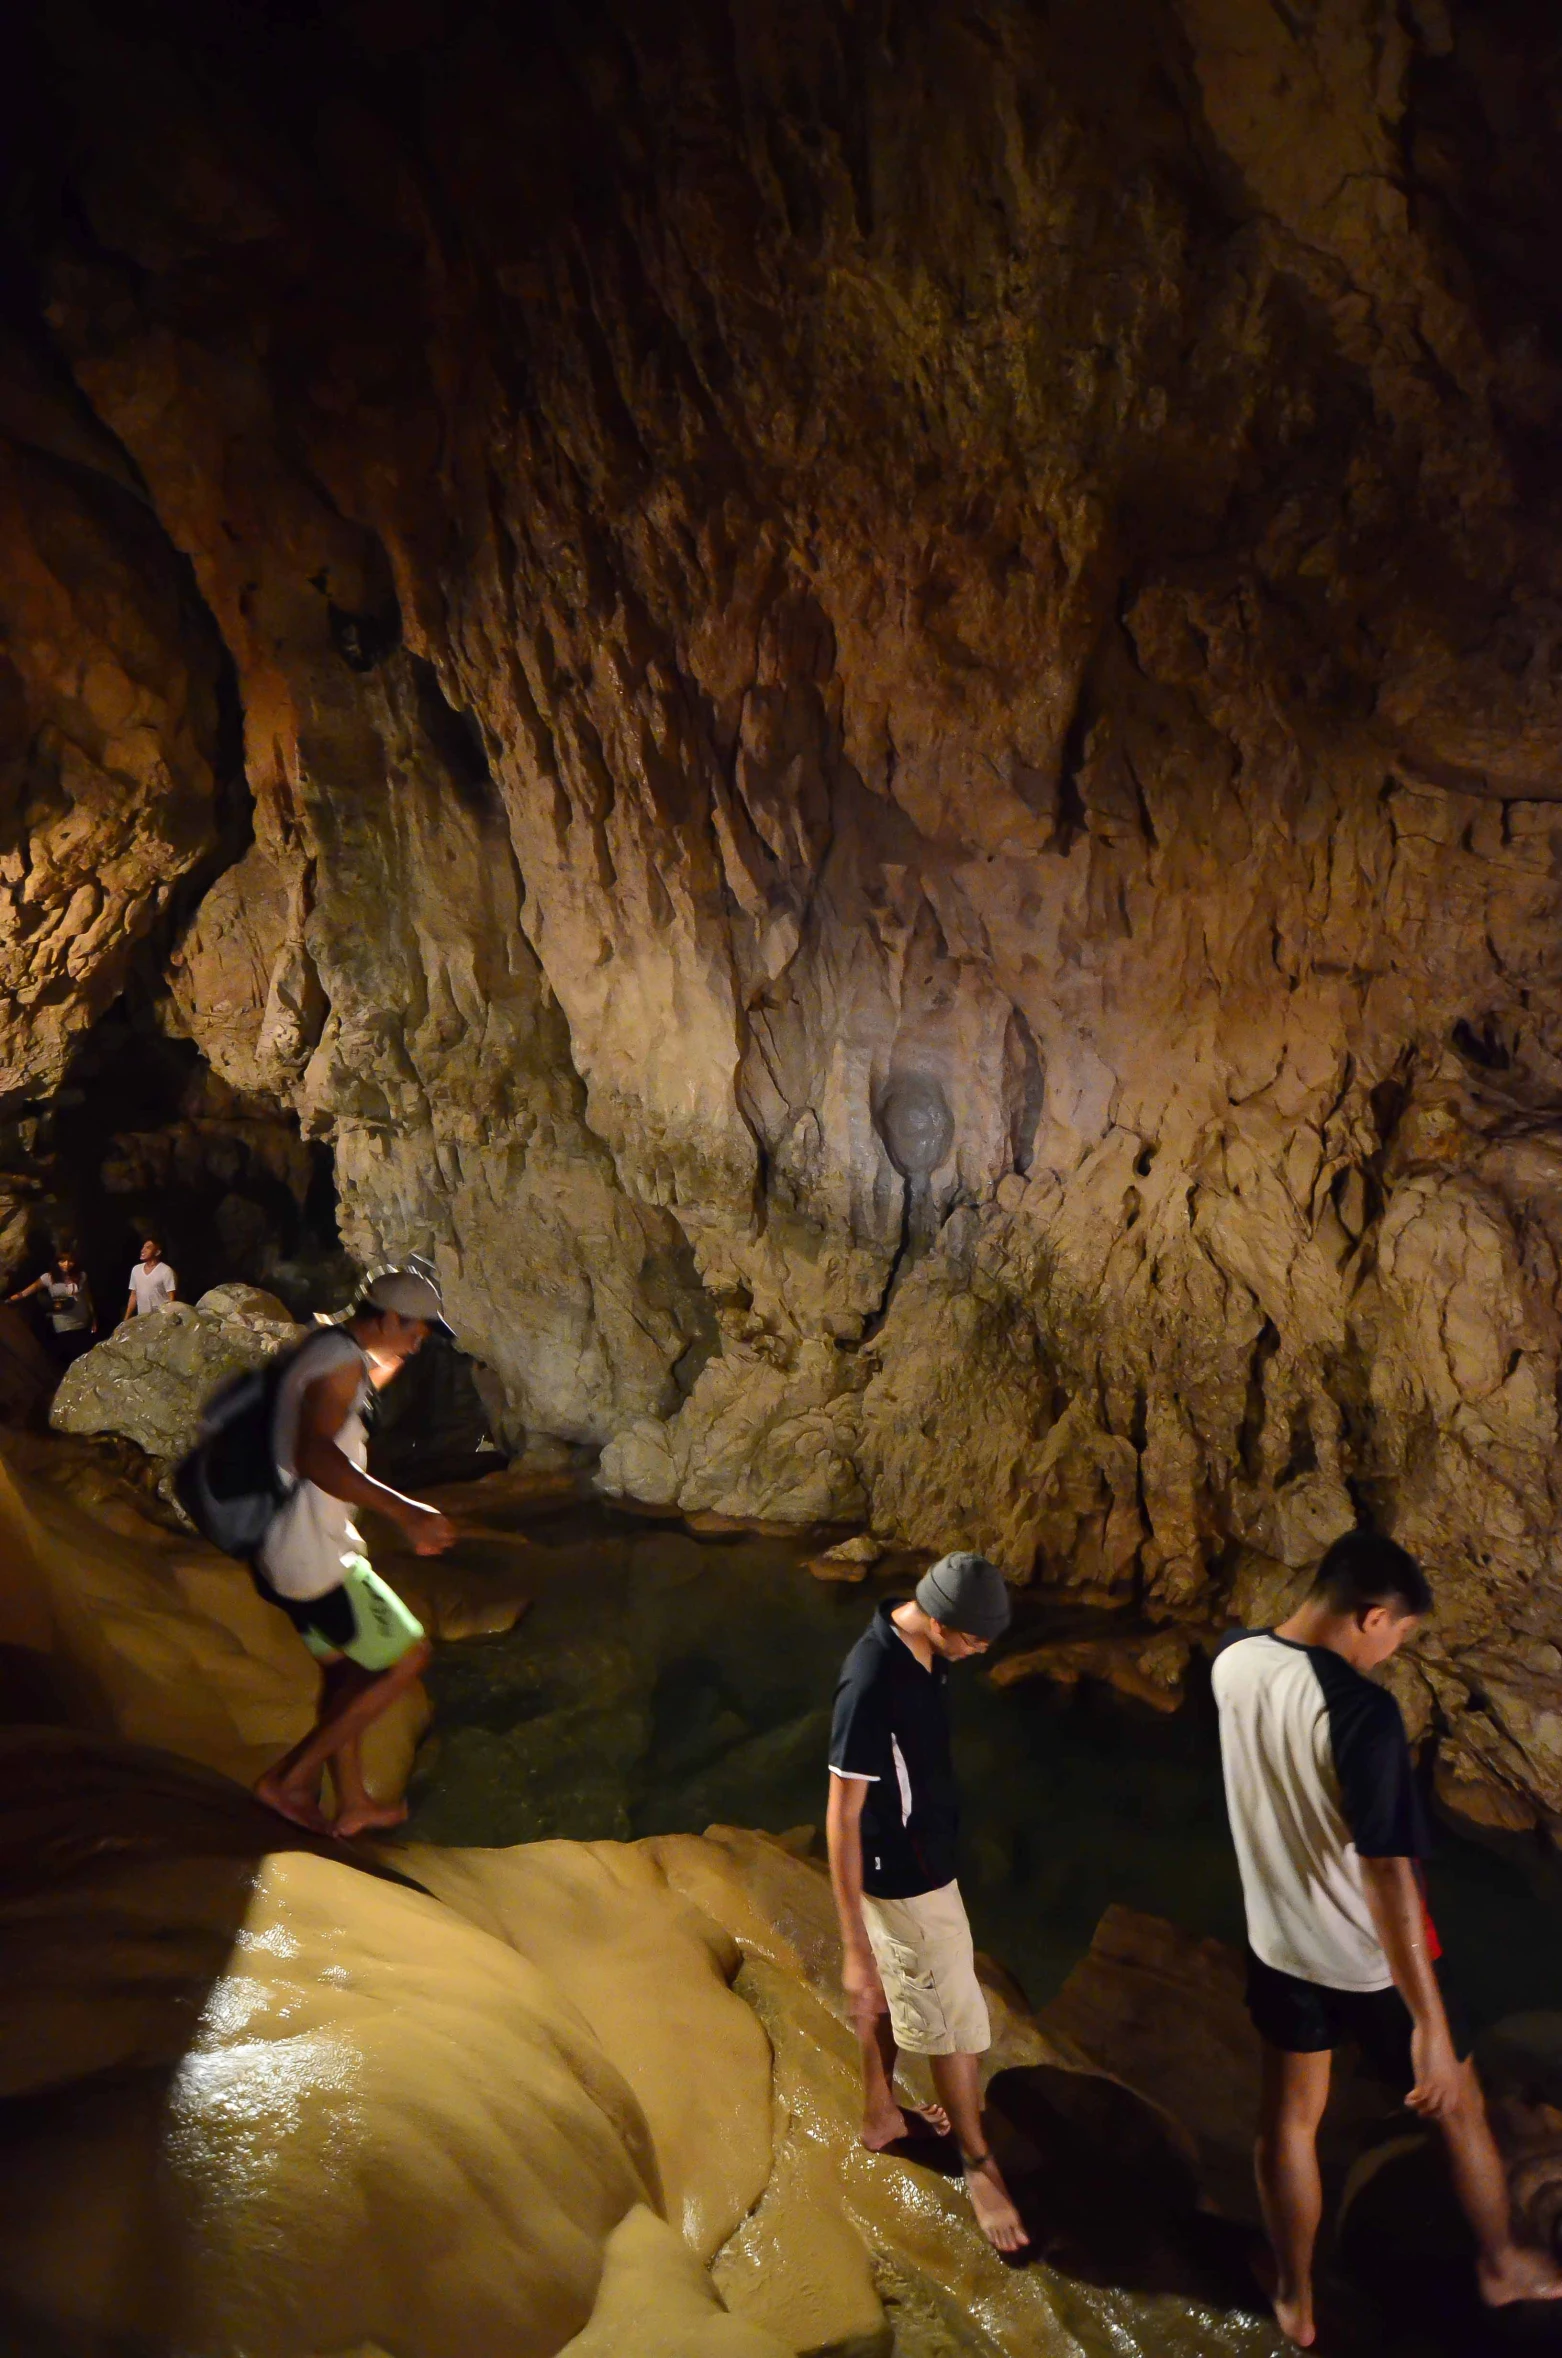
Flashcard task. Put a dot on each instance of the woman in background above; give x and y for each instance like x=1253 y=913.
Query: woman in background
x=72 y=1318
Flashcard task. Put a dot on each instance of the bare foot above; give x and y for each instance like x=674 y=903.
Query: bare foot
x=888 y=2128
x=996 y=2215
x=883 y=2128
x=369 y=1817
x=289 y=1803
x=1293 y=2313
x=1520 y=2275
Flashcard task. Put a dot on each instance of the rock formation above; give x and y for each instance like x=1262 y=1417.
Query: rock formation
x=151 y=1377
x=259 y=2091
x=899 y=678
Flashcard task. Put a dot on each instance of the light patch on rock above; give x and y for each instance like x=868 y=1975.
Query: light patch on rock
x=849 y=1559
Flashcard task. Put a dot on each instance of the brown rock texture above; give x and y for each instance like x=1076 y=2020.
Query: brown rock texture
x=1152 y=1671
x=109 y=722
x=900 y=677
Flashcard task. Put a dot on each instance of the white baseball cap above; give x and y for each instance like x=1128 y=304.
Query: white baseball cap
x=410 y=1295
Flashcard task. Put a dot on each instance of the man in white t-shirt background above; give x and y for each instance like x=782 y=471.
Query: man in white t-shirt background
x=153 y=1284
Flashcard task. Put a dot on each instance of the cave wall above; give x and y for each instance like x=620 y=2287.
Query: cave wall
x=899 y=674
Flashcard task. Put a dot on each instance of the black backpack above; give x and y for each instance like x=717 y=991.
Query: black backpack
x=230 y=1485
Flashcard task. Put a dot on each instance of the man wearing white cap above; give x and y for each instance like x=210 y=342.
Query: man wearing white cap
x=907 y=1966
x=311 y=1562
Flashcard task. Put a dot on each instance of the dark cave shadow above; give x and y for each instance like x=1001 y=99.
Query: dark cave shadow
x=1405 y=2244
x=1108 y=2195
x=1110 y=2199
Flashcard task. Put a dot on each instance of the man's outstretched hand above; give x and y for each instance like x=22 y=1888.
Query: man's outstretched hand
x=429 y=1531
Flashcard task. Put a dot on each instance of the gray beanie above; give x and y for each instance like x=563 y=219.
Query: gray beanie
x=965 y=1592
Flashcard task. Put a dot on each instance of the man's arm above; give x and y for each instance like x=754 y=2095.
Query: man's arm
x=1394 y=1896
x=324 y=1409
x=843 y=1834
x=130 y=1305
x=173 y=1284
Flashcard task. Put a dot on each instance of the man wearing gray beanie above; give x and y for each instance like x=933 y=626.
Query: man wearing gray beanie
x=907 y=1967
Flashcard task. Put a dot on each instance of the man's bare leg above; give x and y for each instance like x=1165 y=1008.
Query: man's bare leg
x=1507 y=2271
x=1295 y=2090
x=357 y=1811
x=284 y=1788
x=958 y=2080
x=882 y=2118
x=352 y=1703
x=280 y=1789
x=883 y=2115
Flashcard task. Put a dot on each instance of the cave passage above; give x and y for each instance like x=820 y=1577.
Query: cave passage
x=143 y=1139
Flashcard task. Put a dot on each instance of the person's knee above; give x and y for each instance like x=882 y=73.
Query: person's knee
x=1296 y=2115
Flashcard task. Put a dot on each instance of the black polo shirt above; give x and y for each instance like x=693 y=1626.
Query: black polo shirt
x=891 y=1726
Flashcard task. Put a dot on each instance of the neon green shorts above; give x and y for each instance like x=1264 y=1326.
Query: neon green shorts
x=364 y=1619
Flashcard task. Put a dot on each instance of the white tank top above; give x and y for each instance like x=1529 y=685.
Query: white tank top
x=302 y=1552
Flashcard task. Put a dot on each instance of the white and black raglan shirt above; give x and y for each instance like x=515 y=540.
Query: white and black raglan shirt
x=1318 y=1777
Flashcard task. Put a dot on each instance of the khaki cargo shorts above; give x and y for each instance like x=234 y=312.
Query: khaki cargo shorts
x=923 y=1951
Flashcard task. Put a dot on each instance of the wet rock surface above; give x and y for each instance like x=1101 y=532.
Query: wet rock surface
x=237 y=2065
x=898 y=677
x=236 y=2069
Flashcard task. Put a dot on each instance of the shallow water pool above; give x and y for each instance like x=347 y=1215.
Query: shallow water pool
x=662 y=1682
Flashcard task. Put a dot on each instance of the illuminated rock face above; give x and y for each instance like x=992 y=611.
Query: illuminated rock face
x=899 y=687
x=110 y=724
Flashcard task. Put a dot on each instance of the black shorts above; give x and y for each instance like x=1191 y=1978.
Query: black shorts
x=330 y=1617
x=1307 y=2018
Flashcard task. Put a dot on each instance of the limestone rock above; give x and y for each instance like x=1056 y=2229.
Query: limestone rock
x=155 y=1637
x=239 y=983
x=245 y=1305
x=757 y=1441
x=1152 y=1670
x=654 y=1993
x=904 y=743
x=151 y=1378
x=266 y=2172
x=849 y=1559
x=109 y=736
x=656 y=2301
